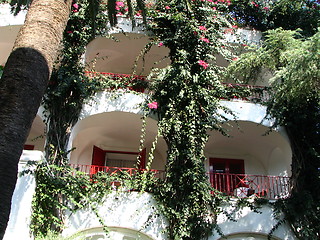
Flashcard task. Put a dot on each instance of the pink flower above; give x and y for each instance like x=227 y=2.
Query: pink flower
x=203 y=64
x=75 y=5
x=202 y=28
x=214 y=8
x=235 y=59
x=266 y=8
x=160 y=44
x=120 y=4
x=153 y=105
x=167 y=7
x=254 y=4
x=205 y=39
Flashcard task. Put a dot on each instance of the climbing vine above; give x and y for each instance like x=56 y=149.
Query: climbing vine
x=188 y=94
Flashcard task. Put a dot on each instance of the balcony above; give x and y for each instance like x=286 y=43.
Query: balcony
x=245 y=92
x=245 y=185
x=93 y=169
x=238 y=185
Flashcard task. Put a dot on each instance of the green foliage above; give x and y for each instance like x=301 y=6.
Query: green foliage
x=54 y=236
x=61 y=189
x=69 y=87
x=294 y=104
x=188 y=94
x=1 y=70
x=271 y=14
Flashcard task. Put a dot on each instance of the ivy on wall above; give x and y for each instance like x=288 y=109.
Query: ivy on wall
x=188 y=93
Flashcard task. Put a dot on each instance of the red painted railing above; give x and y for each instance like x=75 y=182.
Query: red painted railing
x=239 y=185
x=244 y=185
x=135 y=80
x=92 y=169
x=258 y=93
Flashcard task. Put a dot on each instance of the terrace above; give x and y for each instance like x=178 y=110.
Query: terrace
x=238 y=185
x=245 y=92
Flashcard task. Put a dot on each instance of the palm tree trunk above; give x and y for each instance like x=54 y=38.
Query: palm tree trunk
x=23 y=84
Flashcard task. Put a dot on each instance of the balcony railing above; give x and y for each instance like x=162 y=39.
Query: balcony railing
x=251 y=93
x=129 y=81
x=238 y=185
x=93 y=169
x=244 y=185
x=138 y=83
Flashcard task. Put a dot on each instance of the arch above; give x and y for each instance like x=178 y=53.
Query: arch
x=116 y=132
x=119 y=54
x=119 y=233
x=259 y=147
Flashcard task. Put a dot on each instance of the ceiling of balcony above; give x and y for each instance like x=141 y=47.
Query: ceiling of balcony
x=119 y=54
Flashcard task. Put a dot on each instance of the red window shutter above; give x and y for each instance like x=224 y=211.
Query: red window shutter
x=98 y=159
x=142 y=156
x=28 y=147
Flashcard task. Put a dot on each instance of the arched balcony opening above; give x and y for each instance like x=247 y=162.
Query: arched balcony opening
x=36 y=137
x=252 y=161
x=119 y=54
x=110 y=141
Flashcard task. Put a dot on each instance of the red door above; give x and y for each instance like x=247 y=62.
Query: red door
x=142 y=158
x=222 y=173
x=98 y=160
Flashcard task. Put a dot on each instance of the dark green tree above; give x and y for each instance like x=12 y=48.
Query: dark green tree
x=295 y=105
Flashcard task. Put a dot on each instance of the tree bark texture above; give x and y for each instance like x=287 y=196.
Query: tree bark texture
x=22 y=86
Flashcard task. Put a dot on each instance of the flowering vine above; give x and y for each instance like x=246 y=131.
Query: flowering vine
x=187 y=95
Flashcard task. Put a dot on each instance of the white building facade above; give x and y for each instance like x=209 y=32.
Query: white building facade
x=250 y=163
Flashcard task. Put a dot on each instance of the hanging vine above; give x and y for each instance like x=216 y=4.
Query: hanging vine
x=188 y=94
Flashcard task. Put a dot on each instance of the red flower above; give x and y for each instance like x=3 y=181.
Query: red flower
x=160 y=44
x=153 y=105
x=120 y=4
x=202 y=28
x=254 y=4
x=205 y=39
x=167 y=7
x=76 y=7
x=203 y=64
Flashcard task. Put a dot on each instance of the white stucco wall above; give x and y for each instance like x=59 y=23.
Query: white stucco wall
x=248 y=221
x=121 y=209
x=18 y=225
x=7 y=18
x=132 y=211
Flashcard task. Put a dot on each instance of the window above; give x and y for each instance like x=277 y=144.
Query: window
x=120 y=159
